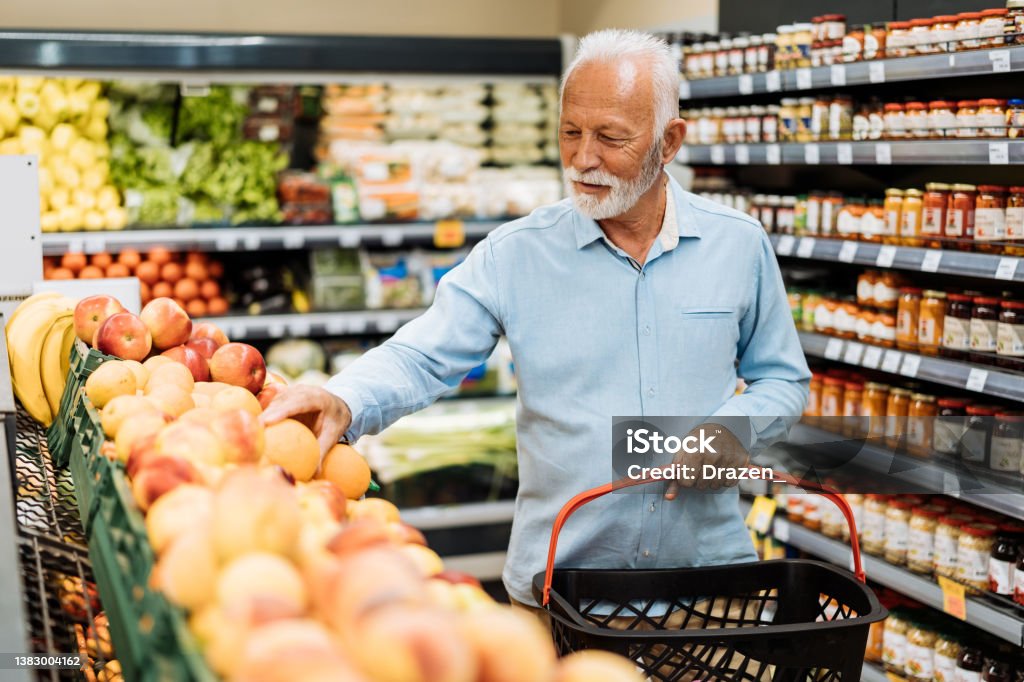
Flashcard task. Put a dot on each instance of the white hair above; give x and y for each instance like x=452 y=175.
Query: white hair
x=615 y=46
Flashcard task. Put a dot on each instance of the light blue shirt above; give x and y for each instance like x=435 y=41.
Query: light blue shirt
x=594 y=335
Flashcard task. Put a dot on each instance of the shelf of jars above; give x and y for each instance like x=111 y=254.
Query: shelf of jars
x=1005 y=622
x=969 y=376
x=314 y=325
x=961 y=152
x=946 y=261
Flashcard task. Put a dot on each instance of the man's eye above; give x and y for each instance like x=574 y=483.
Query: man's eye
x=610 y=140
x=570 y=133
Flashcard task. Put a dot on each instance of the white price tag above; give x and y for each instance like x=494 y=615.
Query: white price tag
x=1007 y=268
x=785 y=245
x=886 y=256
x=746 y=84
x=683 y=155
x=773 y=155
x=834 y=349
x=388 y=323
x=357 y=324
x=235 y=333
x=773 y=81
x=854 y=352
x=742 y=153
x=717 y=154
x=876 y=72
x=391 y=237
x=75 y=246
x=252 y=243
x=838 y=75
x=848 y=252
x=684 y=89
x=872 y=357
x=891 y=361
x=812 y=155
x=976 y=379
x=844 y=154
x=781 y=530
x=1000 y=60
x=299 y=328
x=806 y=247
x=998 y=153
x=952 y=60
x=335 y=327
x=931 y=261
x=226 y=243
x=276 y=331
x=804 y=79
x=883 y=154
x=910 y=365
x=294 y=241
x=94 y=245
x=349 y=238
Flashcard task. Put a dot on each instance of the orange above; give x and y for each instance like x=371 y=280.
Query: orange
x=118 y=270
x=61 y=273
x=148 y=272
x=217 y=306
x=130 y=258
x=216 y=269
x=73 y=261
x=209 y=289
x=145 y=293
x=91 y=272
x=293 y=447
x=162 y=290
x=186 y=289
x=196 y=307
x=196 y=271
x=160 y=255
x=346 y=468
x=171 y=272
x=101 y=260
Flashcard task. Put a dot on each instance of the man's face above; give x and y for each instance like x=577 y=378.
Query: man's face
x=610 y=156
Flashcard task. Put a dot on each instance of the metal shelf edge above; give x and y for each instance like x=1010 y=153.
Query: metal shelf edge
x=862 y=153
x=460 y=515
x=299 y=325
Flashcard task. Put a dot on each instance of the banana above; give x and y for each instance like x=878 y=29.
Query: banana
x=50 y=364
x=32 y=301
x=26 y=334
x=65 y=349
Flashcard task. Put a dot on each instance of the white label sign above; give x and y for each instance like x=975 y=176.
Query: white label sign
x=1007 y=268
x=252 y=243
x=886 y=256
x=683 y=155
x=785 y=245
x=717 y=154
x=844 y=154
x=392 y=237
x=773 y=81
x=226 y=243
x=883 y=154
x=781 y=530
x=806 y=247
x=746 y=84
x=348 y=238
x=834 y=349
x=931 y=261
x=298 y=328
x=335 y=327
x=803 y=79
x=294 y=241
x=773 y=155
x=910 y=365
x=854 y=352
x=998 y=153
x=1000 y=60
x=684 y=89
x=891 y=361
x=872 y=356
x=94 y=245
x=876 y=72
x=976 y=380
x=812 y=155
x=742 y=153
x=838 y=75
x=848 y=252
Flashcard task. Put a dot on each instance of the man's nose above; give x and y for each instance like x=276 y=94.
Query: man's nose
x=586 y=157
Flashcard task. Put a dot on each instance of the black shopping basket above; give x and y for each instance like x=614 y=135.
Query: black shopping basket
x=768 y=620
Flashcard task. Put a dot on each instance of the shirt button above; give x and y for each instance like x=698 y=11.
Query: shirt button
x=650 y=392
x=652 y=506
x=647 y=553
x=647 y=330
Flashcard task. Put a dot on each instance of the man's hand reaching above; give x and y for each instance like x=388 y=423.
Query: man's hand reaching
x=729 y=454
x=325 y=413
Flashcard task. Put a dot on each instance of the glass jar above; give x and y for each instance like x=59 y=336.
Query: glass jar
x=941 y=119
x=866 y=326
x=933 y=215
x=707 y=60
x=752 y=124
x=819 y=118
x=1007 y=442
x=968 y=29
x=784 y=215
x=990 y=218
x=884 y=330
x=830 y=206
x=984 y=328
x=1010 y=334
x=853 y=396
x=929 y=322
x=921 y=36
x=805 y=106
x=947 y=649
x=1015 y=21
x=832 y=397
x=856 y=502
x=907 y=316
x=895 y=121
x=848 y=220
x=813 y=408
x=921 y=538
x=832 y=520
x=967 y=119
x=896 y=411
x=893 y=208
x=866 y=282
x=910 y=217
x=916 y=120
x=811 y=302
x=947 y=542
x=977 y=439
x=736 y=55
x=894 y=642
x=722 y=57
x=875 y=41
x=788 y=113
x=873 y=531
x=992 y=27
x=950 y=424
x=921 y=423
x=887 y=291
x=795 y=505
x=1018 y=580
x=959 y=230
x=840 y=118
x=1015 y=118
x=972 y=554
x=750 y=54
x=995 y=670
x=944 y=33
x=969 y=664
x=919 y=666
x=811 y=518
x=956 y=326
x=898 y=40
x=872 y=223
x=768 y=52
x=803 y=37
x=897 y=528
x=770 y=124
x=991 y=118
x=853 y=45
x=873 y=408
x=1002 y=562
x=1014 y=222
x=824 y=316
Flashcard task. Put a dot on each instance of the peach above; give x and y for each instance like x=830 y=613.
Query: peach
x=426 y=559
x=160 y=475
x=333 y=500
x=595 y=665
x=511 y=646
x=135 y=440
x=172 y=373
x=171 y=399
x=123 y=407
x=187 y=571
x=202 y=400
x=269 y=583
x=241 y=435
x=156 y=361
x=210 y=388
x=237 y=398
x=293 y=447
x=373 y=507
x=239 y=364
x=108 y=381
x=471 y=597
x=208 y=330
x=198 y=414
x=190 y=441
x=347 y=469
x=221 y=634
x=280 y=643
x=124 y=335
x=253 y=512
x=167 y=322
x=457 y=578
x=140 y=372
x=203 y=345
x=355 y=584
x=93 y=311
x=356 y=536
x=403 y=533
x=187 y=506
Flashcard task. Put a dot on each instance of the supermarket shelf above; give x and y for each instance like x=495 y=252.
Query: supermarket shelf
x=959 y=152
x=13 y=637
x=460 y=516
x=300 y=325
x=873 y=673
x=256 y=238
x=963 y=375
x=996 y=621
x=483 y=567
x=946 y=65
x=949 y=262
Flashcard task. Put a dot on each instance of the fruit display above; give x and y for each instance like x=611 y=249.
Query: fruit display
x=63 y=121
x=191 y=279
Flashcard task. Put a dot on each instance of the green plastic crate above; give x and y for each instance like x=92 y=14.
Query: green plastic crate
x=61 y=434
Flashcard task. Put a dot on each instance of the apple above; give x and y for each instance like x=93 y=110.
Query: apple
x=269 y=392
x=239 y=364
x=204 y=345
x=159 y=475
x=208 y=330
x=93 y=311
x=192 y=359
x=167 y=322
x=241 y=435
x=125 y=336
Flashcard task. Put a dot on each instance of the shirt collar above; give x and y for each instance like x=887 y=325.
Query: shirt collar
x=677 y=223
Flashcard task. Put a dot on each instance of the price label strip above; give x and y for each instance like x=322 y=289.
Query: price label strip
x=954 y=598
x=717 y=154
x=804 y=79
x=886 y=256
x=742 y=153
x=226 y=243
x=854 y=353
x=349 y=238
x=976 y=379
x=872 y=357
x=252 y=243
x=294 y=241
x=683 y=155
x=998 y=153
x=1000 y=60
x=876 y=72
x=746 y=84
x=684 y=89
x=911 y=363
x=834 y=349
x=785 y=245
x=1007 y=268
x=838 y=75
x=94 y=245
x=806 y=247
x=812 y=154
x=844 y=154
x=931 y=261
x=883 y=154
x=391 y=237
x=848 y=252
x=773 y=155
x=761 y=514
x=773 y=81
x=891 y=361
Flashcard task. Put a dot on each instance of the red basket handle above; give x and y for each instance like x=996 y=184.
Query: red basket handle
x=601 y=490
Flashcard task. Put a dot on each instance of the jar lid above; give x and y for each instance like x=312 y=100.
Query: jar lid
x=969 y=15
x=921 y=22
x=930 y=511
x=910 y=290
x=936 y=187
x=953 y=402
x=915 y=106
x=897 y=25
x=877 y=497
x=888 y=319
x=901 y=503
x=1017 y=189
x=967 y=104
x=893 y=191
x=955 y=520
x=998 y=11
x=808 y=26
x=853 y=386
x=834 y=381
x=876 y=386
x=933 y=293
x=961 y=187
x=923 y=397
x=913 y=193
x=947 y=18
x=960 y=298
x=1013 y=305
x=1012 y=416
x=982 y=410
x=988 y=102
x=896 y=390
x=986 y=300
x=1015 y=4
x=979 y=530
x=997 y=189
x=842 y=17
x=893 y=106
x=940 y=104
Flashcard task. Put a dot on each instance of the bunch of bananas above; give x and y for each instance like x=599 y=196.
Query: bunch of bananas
x=40 y=335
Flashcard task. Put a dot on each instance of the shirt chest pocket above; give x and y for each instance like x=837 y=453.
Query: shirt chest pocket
x=708 y=337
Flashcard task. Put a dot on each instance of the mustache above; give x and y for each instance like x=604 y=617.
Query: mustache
x=592 y=177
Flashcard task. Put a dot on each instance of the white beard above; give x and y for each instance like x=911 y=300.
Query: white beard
x=622 y=194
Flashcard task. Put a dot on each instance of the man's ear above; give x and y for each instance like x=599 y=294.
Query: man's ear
x=675 y=134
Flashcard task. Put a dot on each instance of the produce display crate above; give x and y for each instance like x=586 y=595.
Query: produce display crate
x=61 y=434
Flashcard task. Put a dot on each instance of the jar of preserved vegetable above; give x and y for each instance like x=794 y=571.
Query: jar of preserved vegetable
x=866 y=282
x=1002 y=561
x=1015 y=21
x=873 y=531
x=824 y=316
x=910 y=217
x=894 y=642
x=921 y=36
x=977 y=439
x=813 y=408
x=947 y=649
x=795 y=505
x=819 y=118
x=921 y=423
x=832 y=519
x=736 y=55
x=930 y=320
x=898 y=40
x=995 y=670
x=873 y=406
x=811 y=302
x=893 y=212
x=941 y=119
x=968 y=29
x=972 y=554
x=1007 y=442
x=969 y=664
x=956 y=326
x=992 y=27
x=896 y=411
x=866 y=326
x=944 y=33
x=840 y=118
x=990 y=218
x=1014 y=222
x=947 y=542
x=770 y=123
x=875 y=41
x=991 y=118
x=830 y=206
x=853 y=396
x=788 y=114
x=814 y=200
x=916 y=118
x=812 y=511
x=933 y=215
x=897 y=528
x=804 y=109
x=1010 y=334
x=895 y=121
x=967 y=119
x=919 y=666
x=845 y=322
x=848 y=221
x=887 y=291
x=984 y=328
x=856 y=502
x=884 y=330
x=831 y=397
x=722 y=57
x=950 y=424
x=921 y=538
x=907 y=316
x=853 y=45
x=960 y=217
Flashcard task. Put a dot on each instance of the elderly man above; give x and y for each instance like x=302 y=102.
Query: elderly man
x=630 y=297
